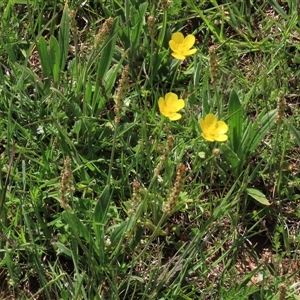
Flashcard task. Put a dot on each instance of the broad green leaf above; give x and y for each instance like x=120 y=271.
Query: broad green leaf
x=230 y=155
x=101 y=209
x=235 y=121
x=44 y=55
x=137 y=23
x=100 y=219
x=64 y=36
x=63 y=249
x=103 y=65
x=294 y=132
x=55 y=55
x=107 y=52
x=88 y=92
x=258 y=196
x=118 y=233
x=111 y=75
x=77 y=226
x=246 y=138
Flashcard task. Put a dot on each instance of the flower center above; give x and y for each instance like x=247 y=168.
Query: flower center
x=181 y=48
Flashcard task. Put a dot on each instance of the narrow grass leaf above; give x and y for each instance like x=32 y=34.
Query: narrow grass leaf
x=263 y=126
x=209 y=23
x=258 y=196
x=235 y=121
x=100 y=219
x=294 y=132
x=64 y=36
x=88 y=92
x=277 y=7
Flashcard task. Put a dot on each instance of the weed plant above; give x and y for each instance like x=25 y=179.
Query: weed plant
x=149 y=149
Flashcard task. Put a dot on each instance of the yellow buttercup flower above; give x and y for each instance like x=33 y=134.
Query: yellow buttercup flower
x=170 y=105
x=212 y=129
x=181 y=46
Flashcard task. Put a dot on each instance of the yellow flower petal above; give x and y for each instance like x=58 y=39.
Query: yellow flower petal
x=210 y=120
x=207 y=137
x=221 y=127
x=162 y=106
x=190 y=52
x=212 y=129
x=173 y=103
x=170 y=105
x=173 y=46
x=178 y=37
x=170 y=98
x=221 y=138
x=178 y=56
x=175 y=117
x=179 y=104
x=189 y=41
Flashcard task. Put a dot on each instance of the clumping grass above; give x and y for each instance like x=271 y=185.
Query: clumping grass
x=107 y=194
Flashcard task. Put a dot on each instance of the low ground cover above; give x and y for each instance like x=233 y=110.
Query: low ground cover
x=149 y=150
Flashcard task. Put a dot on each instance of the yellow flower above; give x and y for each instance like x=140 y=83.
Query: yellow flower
x=212 y=129
x=170 y=105
x=181 y=45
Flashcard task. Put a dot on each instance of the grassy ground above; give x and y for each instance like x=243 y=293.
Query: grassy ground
x=102 y=197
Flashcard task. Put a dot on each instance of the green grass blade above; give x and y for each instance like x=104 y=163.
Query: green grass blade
x=100 y=214
x=235 y=121
x=263 y=125
x=44 y=55
x=55 y=54
x=64 y=36
x=294 y=132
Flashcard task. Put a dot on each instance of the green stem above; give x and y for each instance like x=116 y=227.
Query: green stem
x=176 y=74
x=218 y=101
x=112 y=154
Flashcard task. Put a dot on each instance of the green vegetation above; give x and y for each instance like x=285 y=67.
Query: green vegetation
x=103 y=197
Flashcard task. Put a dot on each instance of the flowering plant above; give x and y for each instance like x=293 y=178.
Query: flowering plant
x=170 y=105
x=181 y=46
x=212 y=129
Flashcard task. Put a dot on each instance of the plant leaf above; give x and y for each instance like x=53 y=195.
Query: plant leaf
x=261 y=128
x=100 y=213
x=230 y=155
x=294 y=132
x=64 y=36
x=258 y=196
x=55 y=55
x=77 y=226
x=107 y=52
x=235 y=121
x=44 y=55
